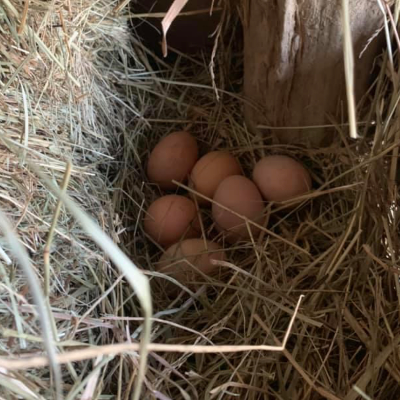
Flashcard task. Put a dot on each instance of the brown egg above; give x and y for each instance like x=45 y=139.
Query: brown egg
x=170 y=219
x=183 y=260
x=240 y=195
x=172 y=159
x=210 y=171
x=281 y=178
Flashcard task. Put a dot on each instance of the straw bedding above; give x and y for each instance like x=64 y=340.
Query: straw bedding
x=81 y=88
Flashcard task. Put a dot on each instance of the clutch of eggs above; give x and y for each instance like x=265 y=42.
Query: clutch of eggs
x=172 y=220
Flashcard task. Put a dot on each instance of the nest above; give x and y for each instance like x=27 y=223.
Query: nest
x=78 y=87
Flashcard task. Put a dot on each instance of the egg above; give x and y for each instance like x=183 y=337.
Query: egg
x=183 y=260
x=210 y=171
x=172 y=159
x=240 y=195
x=170 y=219
x=281 y=178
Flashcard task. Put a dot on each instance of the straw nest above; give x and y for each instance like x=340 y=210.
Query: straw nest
x=75 y=86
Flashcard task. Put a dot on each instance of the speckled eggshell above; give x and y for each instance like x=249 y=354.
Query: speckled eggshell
x=281 y=178
x=210 y=171
x=240 y=195
x=172 y=159
x=170 y=219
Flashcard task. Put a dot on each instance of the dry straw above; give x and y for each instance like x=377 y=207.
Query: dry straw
x=76 y=84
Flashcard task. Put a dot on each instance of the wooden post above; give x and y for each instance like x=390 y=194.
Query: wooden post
x=293 y=63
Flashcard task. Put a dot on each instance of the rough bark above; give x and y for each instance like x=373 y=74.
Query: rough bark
x=294 y=62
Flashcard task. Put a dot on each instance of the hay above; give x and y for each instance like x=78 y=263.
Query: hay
x=60 y=68
x=337 y=246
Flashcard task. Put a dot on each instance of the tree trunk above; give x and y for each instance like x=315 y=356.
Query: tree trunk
x=294 y=67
